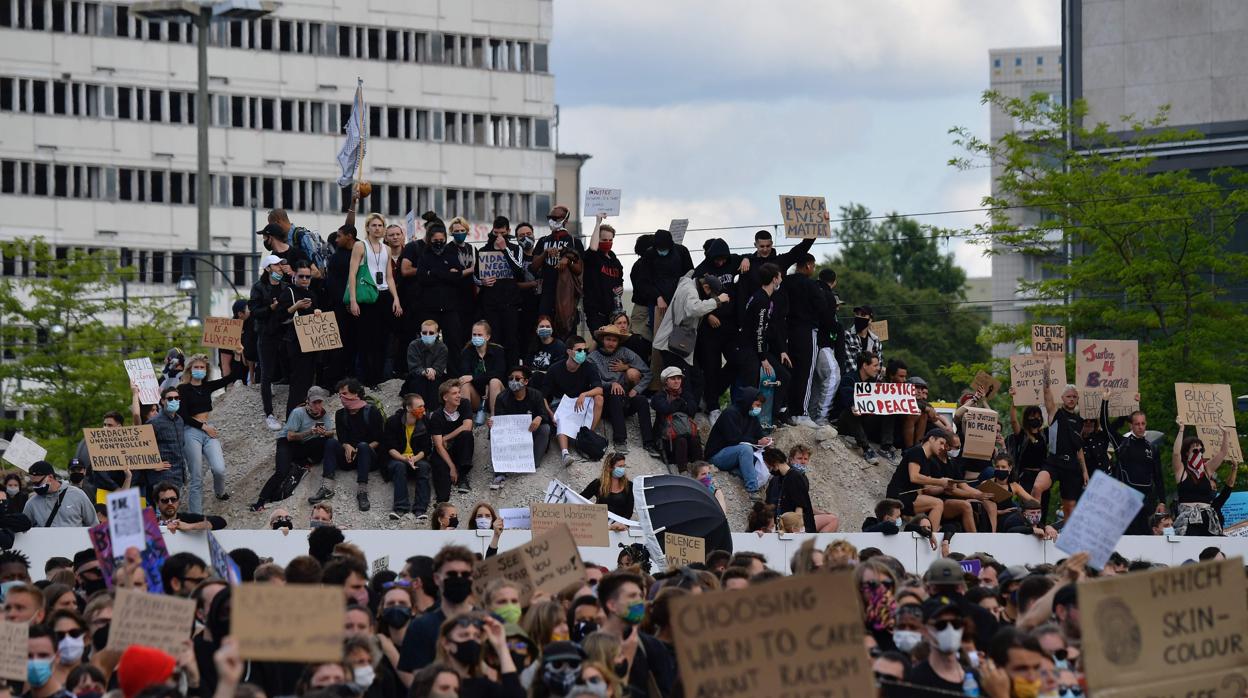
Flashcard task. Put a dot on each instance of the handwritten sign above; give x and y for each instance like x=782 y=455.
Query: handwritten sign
x=559 y=493
x=1101 y=517
x=152 y=555
x=979 y=428
x=986 y=385
x=678 y=227
x=223 y=333
x=492 y=264
x=805 y=216
x=123 y=448
x=317 y=332
x=880 y=329
x=885 y=398
x=600 y=200
x=1030 y=375
x=152 y=620
x=143 y=375
x=1107 y=364
x=801 y=635
x=511 y=444
x=380 y=565
x=1212 y=436
x=294 y=623
x=588 y=522
x=13 y=648
x=681 y=550
x=1205 y=405
x=222 y=564
x=550 y=562
x=125 y=522
x=992 y=487
x=1048 y=340
x=517 y=518
x=1225 y=683
x=23 y=452
x=1183 y=621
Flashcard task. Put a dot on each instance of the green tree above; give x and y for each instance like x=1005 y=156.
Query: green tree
x=897 y=248
x=63 y=341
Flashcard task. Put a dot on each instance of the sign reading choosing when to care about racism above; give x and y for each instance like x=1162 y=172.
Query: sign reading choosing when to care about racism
x=885 y=398
x=805 y=216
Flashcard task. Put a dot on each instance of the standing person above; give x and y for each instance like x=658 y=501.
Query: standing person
x=268 y=328
x=730 y=446
x=295 y=300
x=466 y=296
x=482 y=364
x=410 y=287
x=569 y=288
x=613 y=488
x=765 y=253
x=791 y=487
x=624 y=376
x=521 y=398
x=291 y=241
x=1194 y=476
x=56 y=504
x=427 y=359
x=577 y=385
x=453 y=444
x=1138 y=464
x=501 y=297
x=604 y=276
x=806 y=302
x=649 y=662
x=860 y=338
x=399 y=337
x=695 y=298
x=657 y=272
x=441 y=277
x=229 y=360
x=358 y=431
x=852 y=422
x=338 y=270
x=301 y=442
x=547 y=255
x=1065 y=463
x=832 y=355
x=762 y=347
x=674 y=408
x=409 y=447
x=717 y=333
x=529 y=285
x=548 y=352
x=201 y=437
x=371 y=259
x=170 y=433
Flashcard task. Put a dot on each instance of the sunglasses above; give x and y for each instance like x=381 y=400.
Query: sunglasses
x=939 y=625
x=62 y=634
x=887 y=584
x=400 y=583
x=565 y=665
x=457 y=575
x=1073 y=690
x=168 y=500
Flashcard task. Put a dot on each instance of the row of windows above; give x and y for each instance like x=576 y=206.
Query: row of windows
x=109 y=183
x=1018 y=61
x=151 y=266
x=284 y=36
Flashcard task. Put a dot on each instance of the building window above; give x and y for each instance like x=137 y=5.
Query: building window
x=1039 y=60
x=996 y=62
x=1018 y=61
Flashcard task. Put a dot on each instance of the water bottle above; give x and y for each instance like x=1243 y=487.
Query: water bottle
x=970 y=687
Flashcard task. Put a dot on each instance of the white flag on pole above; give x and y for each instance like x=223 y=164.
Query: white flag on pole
x=357 y=132
x=410 y=224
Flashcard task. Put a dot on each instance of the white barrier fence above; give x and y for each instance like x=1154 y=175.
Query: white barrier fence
x=916 y=554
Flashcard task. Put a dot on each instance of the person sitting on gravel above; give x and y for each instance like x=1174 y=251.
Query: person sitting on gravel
x=483 y=365
x=850 y=422
x=580 y=383
x=409 y=446
x=674 y=406
x=730 y=447
x=701 y=471
x=453 y=445
x=521 y=398
x=624 y=376
x=426 y=363
x=358 y=431
x=302 y=441
x=613 y=488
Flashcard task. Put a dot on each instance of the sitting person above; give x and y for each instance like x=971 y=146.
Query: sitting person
x=483 y=365
x=674 y=407
x=426 y=363
x=521 y=398
x=408 y=448
x=453 y=445
x=887 y=519
x=625 y=375
x=577 y=386
x=167 y=498
x=302 y=442
x=359 y=430
x=701 y=471
x=730 y=446
x=613 y=488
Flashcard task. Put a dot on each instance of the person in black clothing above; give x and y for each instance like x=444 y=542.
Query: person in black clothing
x=1138 y=464
x=917 y=472
x=451 y=429
x=293 y=300
x=338 y=268
x=466 y=303
x=613 y=488
x=887 y=519
x=263 y=307
x=604 y=276
x=730 y=445
x=805 y=305
x=483 y=365
x=358 y=434
x=765 y=253
x=1066 y=463
x=850 y=421
x=528 y=286
x=521 y=398
x=622 y=599
x=657 y=271
x=301 y=442
x=942 y=671
x=832 y=355
x=440 y=277
x=408 y=446
x=546 y=256
x=410 y=286
x=229 y=360
x=500 y=296
x=789 y=488
x=548 y=352
x=717 y=332
x=762 y=346
x=577 y=385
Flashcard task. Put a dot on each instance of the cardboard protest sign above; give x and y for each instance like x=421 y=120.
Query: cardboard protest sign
x=125 y=521
x=1107 y=364
x=1212 y=436
x=317 y=332
x=801 y=635
x=492 y=264
x=678 y=227
x=885 y=398
x=295 y=623
x=588 y=522
x=143 y=375
x=1101 y=516
x=986 y=385
x=992 y=487
x=1048 y=340
x=222 y=564
x=979 y=427
x=123 y=448
x=153 y=620
x=880 y=329
x=152 y=555
x=23 y=452
x=805 y=216
x=516 y=518
x=1205 y=405
x=1225 y=683
x=13 y=648
x=559 y=493
x=549 y=562
x=601 y=200
x=511 y=444
x=681 y=550
x=1147 y=627
x=1030 y=375
x=222 y=333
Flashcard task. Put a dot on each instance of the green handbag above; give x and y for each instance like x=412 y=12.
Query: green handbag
x=365 y=290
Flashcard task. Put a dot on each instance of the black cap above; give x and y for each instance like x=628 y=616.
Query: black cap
x=717 y=286
x=528 y=372
x=76 y=464
x=562 y=650
x=663 y=240
x=939 y=604
x=1066 y=596
x=865 y=310
x=271 y=229
x=41 y=467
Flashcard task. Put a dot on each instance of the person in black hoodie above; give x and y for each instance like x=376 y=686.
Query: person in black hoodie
x=806 y=301
x=765 y=253
x=831 y=354
x=717 y=333
x=657 y=271
x=297 y=299
x=263 y=304
x=500 y=294
x=643 y=306
x=409 y=446
x=358 y=430
x=762 y=345
x=546 y=255
x=730 y=446
x=440 y=275
x=604 y=276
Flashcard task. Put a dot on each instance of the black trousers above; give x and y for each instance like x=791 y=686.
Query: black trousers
x=302 y=371
x=460 y=449
x=505 y=330
x=803 y=347
x=271 y=357
x=373 y=328
x=289 y=453
x=619 y=407
x=713 y=348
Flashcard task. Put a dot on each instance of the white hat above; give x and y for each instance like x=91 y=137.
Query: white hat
x=270 y=260
x=671 y=371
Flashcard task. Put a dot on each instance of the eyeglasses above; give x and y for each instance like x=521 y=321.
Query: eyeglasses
x=400 y=583
x=62 y=634
x=1071 y=689
x=168 y=500
x=565 y=664
x=955 y=623
x=873 y=585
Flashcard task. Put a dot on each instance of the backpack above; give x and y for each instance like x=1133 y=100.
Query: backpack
x=313 y=245
x=591 y=444
x=292 y=480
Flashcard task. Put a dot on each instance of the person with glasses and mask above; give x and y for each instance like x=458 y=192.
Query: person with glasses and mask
x=280 y=520
x=452 y=575
x=292 y=301
x=461 y=646
x=942 y=671
x=427 y=358
x=181 y=573
x=168 y=515
x=56 y=504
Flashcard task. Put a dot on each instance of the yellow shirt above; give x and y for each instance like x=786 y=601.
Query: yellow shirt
x=407 y=448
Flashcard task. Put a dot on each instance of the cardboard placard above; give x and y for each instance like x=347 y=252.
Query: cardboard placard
x=797 y=636
x=1101 y=516
x=13 y=650
x=678 y=227
x=143 y=375
x=317 y=332
x=588 y=522
x=517 y=518
x=125 y=521
x=681 y=550
x=805 y=216
x=1205 y=404
x=223 y=333
x=152 y=555
x=549 y=562
x=1212 y=436
x=222 y=564
x=1145 y=627
x=492 y=264
x=153 y=620
x=511 y=444
x=288 y=623
x=23 y=452
x=1048 y=340
x=381 y=564
x=1112 y=364
x=1031 y=374
x=999 y=493
x=1226 y=683
x=886 y=398
x=979 y=427
x=880 y=329
x=559 y=493
x=122 y=448
x=601 y=200
x=986 y=385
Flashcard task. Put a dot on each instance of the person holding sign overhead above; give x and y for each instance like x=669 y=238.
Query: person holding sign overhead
x=604 y=276
x=1066 y=463
x=1194 y=476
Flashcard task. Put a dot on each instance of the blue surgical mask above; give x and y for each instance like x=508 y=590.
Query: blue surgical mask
x=428 y=339
x=459 y=237
x=580 y=356
x=38 y=672
x=545 y=332
x=478 y=341
x=172 y=406
x=198 y=374
x=755 y=411
x=4 y=588
x=276 y=275
x=618 y=473
x=663 y=253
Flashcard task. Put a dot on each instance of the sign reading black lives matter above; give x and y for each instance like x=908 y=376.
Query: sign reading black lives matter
x=317 y=332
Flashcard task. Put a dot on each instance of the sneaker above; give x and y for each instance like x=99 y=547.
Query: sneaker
x=871 y=456
x=422 y=519
x=803 y=421
x=653 y=449
x=408 y=516
x=888 y=453
x=714 y=417
x=497 y=483
x=224 y=497
x=396 y=516
x=620 y=448
x=463 y=486
x=272 y=423
x=758 y=494
x=479 y=419
x=567 y=460
x=361 y=498
x=321 y=495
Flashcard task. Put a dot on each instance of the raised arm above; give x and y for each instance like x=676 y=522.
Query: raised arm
x=1050 y=407
x=1014 y=425
x=593 y=239
x=1176 y=461
x=1212 y=465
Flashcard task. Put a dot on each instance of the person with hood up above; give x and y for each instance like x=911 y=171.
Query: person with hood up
x=717 y=333
x=734 y=436
x=657 y=272
x=693 y=300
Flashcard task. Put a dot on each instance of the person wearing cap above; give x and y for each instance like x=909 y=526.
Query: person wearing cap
x=56 y=504
x=284 y=239
x=765 y=253
x=559 y=669
x=268 y=325
x=294 y=300
x=860 y=338
x=942 y=671
x=547 y=253
x=944 y=578
x=694 y=299
x=657 y=271
x=301 y=442
x=520 y=398
x=831 y=354
x=674 y=406
x=604 y=276
x=624 y=375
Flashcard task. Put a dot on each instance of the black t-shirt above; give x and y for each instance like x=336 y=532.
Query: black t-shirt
x=618 y=503
x=924 y=675
x=795 y=493
x=216 y=522
x=573 y=383
x=532 y=404
x=549 y=268
x=1065 y=433
x=440 y=424
x=901 y=477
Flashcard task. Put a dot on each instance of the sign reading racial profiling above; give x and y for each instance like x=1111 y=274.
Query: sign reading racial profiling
x=317 y=332
x=122 y=448
x=885 y=398
x=980 y=427
x=798 y=636
x=1209 y=408
x=492 y=264
x=805 y=216
x=1047 y=340
x=549 y=562
x=1107 y=364
x=222 y=333
x=1186 y=622
x=1031 y=374
x=587 y=522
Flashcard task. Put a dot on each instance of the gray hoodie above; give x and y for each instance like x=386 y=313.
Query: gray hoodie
x=601 y=361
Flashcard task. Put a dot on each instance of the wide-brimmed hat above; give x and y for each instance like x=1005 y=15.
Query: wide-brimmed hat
x=611 y=330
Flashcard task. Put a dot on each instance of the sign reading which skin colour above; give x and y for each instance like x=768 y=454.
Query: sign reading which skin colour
x=602 y=200
x=805 y=216
x=885 y=398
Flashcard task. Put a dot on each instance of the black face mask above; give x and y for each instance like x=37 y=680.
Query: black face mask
x=437 y=247
x=467 y=652
x=396 y=616
x=268 y=245
x=582 y=630
x=99 y=638
x=1033 y=422
x=77 y=477
x=452 y=522
x=861 y=323
x=92 y=586
x=456 y=589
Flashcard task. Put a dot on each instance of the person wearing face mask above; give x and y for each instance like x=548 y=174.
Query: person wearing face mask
x=86 y=681
x=461 y=644
x=41 y=661
x=394 y=613
x=695 y=298
x=482 y=363
x=262 y=305
x=1023 y=661
x=427 y=358
x=942 y=670
x=500 y=269
x=301 y=442
x=69 y=631
x=365 y=659
x=457 y=245
x=528 y=285
x=521 y=398
x=294 y=300
x=860 y=338
x=621 y=598
x=577 y=386
x=548 y=351
x=201 y=440
x=54 y=503
x=408 y=446
x=15 y=491
x=657 y=272
x=762 y=345
x=908 y=629
x=733 y=437
x=624 y=376
x=358 y=432
x=701 y=471
x=604 y=276
x=1028 y=444
x=717 y=331
x=441 y=276
x=613 y=488
x=452 y=575
x=546 y=256
x=170 y=430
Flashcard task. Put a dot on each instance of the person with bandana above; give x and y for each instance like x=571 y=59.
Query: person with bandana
x=54 y=503
x=408 y=449
x=1194 y=476
x=452 y=576
x=701 y=471
x=358 y=432
x=620 y=595
x=547 y=253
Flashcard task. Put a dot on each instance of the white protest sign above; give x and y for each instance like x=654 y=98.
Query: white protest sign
x=381 y=564
x=125 y=521
x=516 y=518
x=23 y=452
x=601 y=200
x=493 y=265
x=143 y=375
x=1101 y=517
x=678 y=227
x=885 y=398
x=559 y=493
x=511 y=444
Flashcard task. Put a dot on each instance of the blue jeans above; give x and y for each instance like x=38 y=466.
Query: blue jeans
x=400 y=473
x=199 y=445
x=336 y=459
x=738 y=459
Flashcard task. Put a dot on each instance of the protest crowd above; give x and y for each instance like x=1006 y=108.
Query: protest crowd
x=709 y=361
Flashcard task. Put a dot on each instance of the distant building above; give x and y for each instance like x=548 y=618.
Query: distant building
x=568 y=187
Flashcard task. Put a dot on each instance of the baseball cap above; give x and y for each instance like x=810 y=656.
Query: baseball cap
x=939 y=604
x=716 y=286
x=269 y=260
x=864 y=309
x=41 y=467
x=272 y=229
x=944 y=571
x=1013 y=573
x=671 y=371
x=915 y=380
x=317 y=394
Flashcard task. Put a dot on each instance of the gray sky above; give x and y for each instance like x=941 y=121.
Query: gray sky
x=709 y=109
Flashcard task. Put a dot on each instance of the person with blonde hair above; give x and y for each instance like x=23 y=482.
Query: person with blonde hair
x=371 y=267
x=613 y=488
x=466 y=256
x=200 y=437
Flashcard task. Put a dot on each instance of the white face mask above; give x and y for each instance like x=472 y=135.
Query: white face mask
x=907 y=640
x=70 y=649
x=955 y=453
x=554 y=224
x=364 y=676
x=949 y=639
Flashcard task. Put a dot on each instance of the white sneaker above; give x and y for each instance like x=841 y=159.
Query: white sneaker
x=803 y=421
x=714 y=417
x=272 y=423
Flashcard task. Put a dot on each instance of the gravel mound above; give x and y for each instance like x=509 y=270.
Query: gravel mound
x=841 y=481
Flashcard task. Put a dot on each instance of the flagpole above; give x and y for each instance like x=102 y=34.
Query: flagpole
x=359 y=158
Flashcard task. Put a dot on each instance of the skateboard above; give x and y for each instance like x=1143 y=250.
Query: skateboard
x=767 y=390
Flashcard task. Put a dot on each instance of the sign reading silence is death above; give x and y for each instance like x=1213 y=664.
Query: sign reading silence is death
x=805 y=216
x=317 y=332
